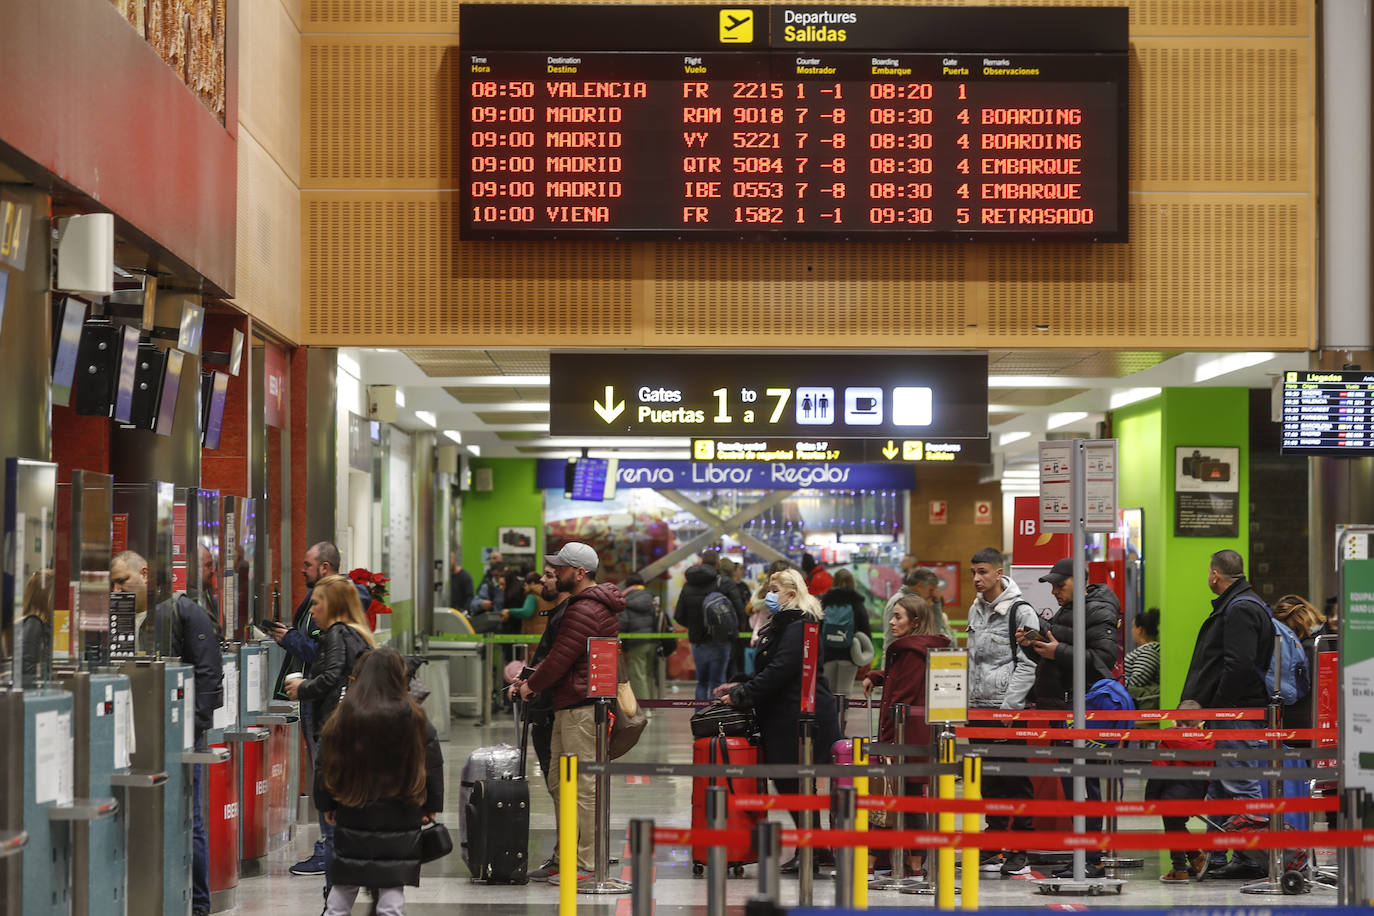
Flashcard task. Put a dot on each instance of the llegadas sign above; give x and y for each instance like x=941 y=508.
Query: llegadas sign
x=699 y=475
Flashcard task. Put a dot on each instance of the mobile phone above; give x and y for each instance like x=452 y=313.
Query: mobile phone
x=267 y=626
x=526 y=672
x=1036 y=635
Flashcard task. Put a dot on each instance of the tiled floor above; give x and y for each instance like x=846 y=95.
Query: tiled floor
x=445 y=883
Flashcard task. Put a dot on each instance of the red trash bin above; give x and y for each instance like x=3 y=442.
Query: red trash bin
x=222 y=819
x=256 y=769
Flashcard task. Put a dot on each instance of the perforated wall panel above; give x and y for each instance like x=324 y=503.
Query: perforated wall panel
x=387 y=269
x=1203 y=271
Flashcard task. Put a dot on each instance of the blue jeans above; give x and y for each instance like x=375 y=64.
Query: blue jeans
x=1236 y=788
x=324 y=846
x=200 y=840
x=712 y=663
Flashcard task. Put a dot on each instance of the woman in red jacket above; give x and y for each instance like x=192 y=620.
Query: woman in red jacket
x=914 y=633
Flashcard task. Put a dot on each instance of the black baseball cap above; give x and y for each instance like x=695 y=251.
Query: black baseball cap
x=1061 y=570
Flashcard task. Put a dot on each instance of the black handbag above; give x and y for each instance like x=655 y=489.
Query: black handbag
x=435 y=842
x=723 y=719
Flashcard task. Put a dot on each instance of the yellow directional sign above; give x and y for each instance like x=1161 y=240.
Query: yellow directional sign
x=889 y=450
x=703 y=449
x=913 y=450
x=610 y=410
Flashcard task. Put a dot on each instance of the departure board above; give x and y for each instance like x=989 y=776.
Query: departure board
x=1328 y=412
x=624 y=122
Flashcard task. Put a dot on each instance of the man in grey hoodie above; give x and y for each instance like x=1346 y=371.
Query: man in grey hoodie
x=1000 y=676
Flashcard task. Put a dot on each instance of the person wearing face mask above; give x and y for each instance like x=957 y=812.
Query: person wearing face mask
x=774 y=690
x=593 y=611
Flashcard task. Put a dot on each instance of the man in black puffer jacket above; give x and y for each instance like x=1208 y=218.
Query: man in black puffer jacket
x=711 y=660
x=1053 y=688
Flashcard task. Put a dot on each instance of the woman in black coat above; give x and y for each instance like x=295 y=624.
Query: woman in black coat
x=381 y=777
x=344 y=637
x=774 y=690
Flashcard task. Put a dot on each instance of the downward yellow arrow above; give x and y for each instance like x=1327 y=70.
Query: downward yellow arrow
x=606 y=411
x=890 y=450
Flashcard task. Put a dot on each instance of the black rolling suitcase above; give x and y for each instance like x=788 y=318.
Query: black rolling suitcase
x=496 y=823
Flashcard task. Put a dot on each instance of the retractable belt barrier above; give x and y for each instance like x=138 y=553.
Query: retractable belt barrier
x=1010 y=839
x=769 y=771
x=1055 y=808
x=1021 y=751
x=1134 y=715
x=1147 y=734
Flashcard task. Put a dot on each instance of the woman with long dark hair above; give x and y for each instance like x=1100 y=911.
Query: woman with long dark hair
x=381 y=778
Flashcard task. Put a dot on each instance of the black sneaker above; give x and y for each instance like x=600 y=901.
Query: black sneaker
x=991 y=862
x=1090 y=871
x=315 y=865
x=545 y=871
x=1016 y=864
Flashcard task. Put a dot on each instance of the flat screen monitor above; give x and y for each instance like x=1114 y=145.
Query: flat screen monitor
x=590 y=479
x=192 y=323
x=71 y=315
x=171 y=385
x=1328 y=412
x=213 y=421
x=124 y=383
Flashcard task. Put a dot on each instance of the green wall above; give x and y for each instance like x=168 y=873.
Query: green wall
x=514 y=501
x=1176 y=567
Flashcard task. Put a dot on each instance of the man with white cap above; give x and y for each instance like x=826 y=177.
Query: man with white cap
x=593 y=611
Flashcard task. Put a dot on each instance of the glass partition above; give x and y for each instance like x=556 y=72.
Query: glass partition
x=26 y=592
x=142 y=565
x=92 y=506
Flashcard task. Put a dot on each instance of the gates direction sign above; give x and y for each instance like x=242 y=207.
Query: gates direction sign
x=917 y=395
x=849 y=451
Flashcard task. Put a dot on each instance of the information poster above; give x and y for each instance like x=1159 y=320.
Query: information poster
x=947 y=686
x=252 y=673
x=123 y=728
x=224 y=716
x=47 y=757
x=188 y=713
x=1056 y=483
x=1206 y=492
x=1357 y=650
x=603 y=666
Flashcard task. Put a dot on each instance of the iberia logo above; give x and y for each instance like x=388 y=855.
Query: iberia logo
x=736 y=26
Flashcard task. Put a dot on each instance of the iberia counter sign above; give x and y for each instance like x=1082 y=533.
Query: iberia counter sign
x=947 y=685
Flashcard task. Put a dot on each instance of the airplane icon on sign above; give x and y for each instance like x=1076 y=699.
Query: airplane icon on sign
x=736 y=26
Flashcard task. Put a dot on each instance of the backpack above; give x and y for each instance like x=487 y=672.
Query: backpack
x=718 y=616
x=1108 y=694
x=1289 y=668
x=837 y=631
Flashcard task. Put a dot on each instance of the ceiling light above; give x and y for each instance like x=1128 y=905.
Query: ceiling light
x=1009 y=438
x=1021 y=474
x=1131 y=395
x=1034 y=381
x=456 y=436
x=427 y=418
x=400 y=398
x=384 y=350
x=474 y=450
x=350 y=365
x=1228 y=363
x=1058 y=420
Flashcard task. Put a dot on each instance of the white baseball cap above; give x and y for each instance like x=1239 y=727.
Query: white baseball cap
x=575 y=554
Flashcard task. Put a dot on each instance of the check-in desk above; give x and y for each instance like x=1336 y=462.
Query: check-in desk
x=160 y=824
x=103 y=717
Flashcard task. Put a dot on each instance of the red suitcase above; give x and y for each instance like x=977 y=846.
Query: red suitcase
x=736 y=752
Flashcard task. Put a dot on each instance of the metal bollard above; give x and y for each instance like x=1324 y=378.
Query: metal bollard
x=944 y=885
x=1272 y=884
x=601 y=882
x=567 y=833
x=641 y=867
x=806 y=856
x=716 y=864
x=1109 y=824
x=768 y=842
x=842 y=814
x=899 y=880
x=859 y=855
x=973 y=791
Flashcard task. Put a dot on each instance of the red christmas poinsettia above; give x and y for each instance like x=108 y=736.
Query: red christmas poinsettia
x=375 y=583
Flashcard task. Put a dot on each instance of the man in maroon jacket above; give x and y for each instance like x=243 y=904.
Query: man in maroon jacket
x=592 y=611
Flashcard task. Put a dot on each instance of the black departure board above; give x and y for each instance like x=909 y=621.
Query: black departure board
x=1328 y=412
x=807 y=122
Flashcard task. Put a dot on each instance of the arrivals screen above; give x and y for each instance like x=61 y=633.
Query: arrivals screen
x=1328 y=412
x=793 y=122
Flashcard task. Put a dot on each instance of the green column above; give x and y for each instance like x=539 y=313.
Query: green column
x=1176 y=567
